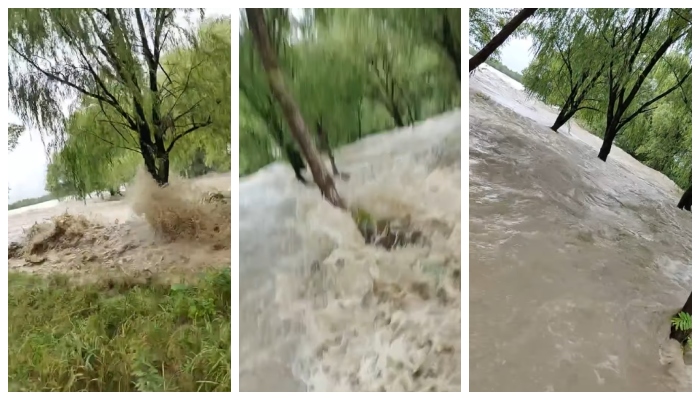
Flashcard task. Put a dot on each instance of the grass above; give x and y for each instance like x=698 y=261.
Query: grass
x=119 y=335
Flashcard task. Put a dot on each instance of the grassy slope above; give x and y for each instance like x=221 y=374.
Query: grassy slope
x=119 y=335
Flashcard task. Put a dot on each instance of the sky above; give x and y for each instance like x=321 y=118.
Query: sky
x=27 y=178
x=516 y=54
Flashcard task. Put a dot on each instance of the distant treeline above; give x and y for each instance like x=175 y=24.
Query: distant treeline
x=497 y=65
x=32 y=201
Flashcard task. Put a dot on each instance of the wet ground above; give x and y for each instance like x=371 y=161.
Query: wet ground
x=575 y=265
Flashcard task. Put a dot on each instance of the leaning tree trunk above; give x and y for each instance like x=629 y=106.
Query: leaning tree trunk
x=322 y=178
x=679 y=335
x=559 y=122
x=608 y=140
x=686 y=200
x=483 y=54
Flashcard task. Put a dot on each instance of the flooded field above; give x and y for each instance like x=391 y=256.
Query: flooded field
x=97 y=237
x=320 y=310
x=575 y=265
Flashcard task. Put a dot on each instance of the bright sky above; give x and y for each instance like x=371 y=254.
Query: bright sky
x=28 y=175
x=516 y=54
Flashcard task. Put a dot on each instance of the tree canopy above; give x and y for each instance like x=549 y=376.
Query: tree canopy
x=625 y=74
x=359 y=71
x=101 y=83
x=112 y=89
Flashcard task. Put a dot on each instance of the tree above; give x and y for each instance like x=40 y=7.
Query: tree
x=114 y=57
x=500 y=38
x=85 y=162
x=322 y=178
x=686 y=200
x=361 y=71
x=14 y=131
x=438 y=27
x=638 y=43
x=562 y=73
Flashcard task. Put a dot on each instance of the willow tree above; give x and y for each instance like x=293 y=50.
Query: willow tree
x=322 y=178
x=112 y=56
x=568 y=63
x=14 y=131
x=637 y=41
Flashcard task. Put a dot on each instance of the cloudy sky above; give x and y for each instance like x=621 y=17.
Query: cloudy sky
x=29 y=161
x=516 y=54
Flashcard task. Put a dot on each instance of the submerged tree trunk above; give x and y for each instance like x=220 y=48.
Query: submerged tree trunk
x=325 y=145
x=296 y=161
x=482 y=55
x=686 y=200
x=679 y=335
x=323 y=179
x=157 y=162
x=608 y=140
x=560 y=121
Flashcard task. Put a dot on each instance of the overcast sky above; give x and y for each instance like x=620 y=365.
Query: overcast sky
x=516 y=54
x=28 y=175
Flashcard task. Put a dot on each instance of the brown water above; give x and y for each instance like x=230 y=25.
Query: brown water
x=108 y=237
x=575 y=265
x=322 y=311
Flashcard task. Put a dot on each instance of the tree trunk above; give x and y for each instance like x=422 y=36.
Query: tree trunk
x=559 y=122
x=608 y=140
x=679 y=335
x=323 y=179
x=359 y=121
x=396 y=115
x=296 y=161
x=157 y=163
x=450 y=45
x=325 y=145
x=482 y=55
x=686 y=200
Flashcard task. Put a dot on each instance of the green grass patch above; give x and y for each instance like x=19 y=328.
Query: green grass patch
x=119 y=335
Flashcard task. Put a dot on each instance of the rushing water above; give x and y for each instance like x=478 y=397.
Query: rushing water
x=575 y=265
x=322 y=311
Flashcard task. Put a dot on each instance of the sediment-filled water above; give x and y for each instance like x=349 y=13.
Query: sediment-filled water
x=320 y=310
x=575 y=265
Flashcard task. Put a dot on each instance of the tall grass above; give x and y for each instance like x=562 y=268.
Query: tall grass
x=119 y=335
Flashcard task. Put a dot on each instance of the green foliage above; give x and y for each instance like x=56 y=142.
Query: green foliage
x=583 y=58
x=360 y=71
x=133 y=79
x=99 y=153
x=119 y=335
x=14 y=131
x=683 y=321
x=485 y=23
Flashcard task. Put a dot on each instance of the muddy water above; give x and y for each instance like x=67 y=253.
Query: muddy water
x=322 y=311
x=122 y=241
x=575 y=265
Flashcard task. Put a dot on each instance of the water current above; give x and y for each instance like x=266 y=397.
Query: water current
x=322 y=311
x=575 y=265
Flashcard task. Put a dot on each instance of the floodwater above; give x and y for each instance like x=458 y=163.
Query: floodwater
x=101 y=238
x=575 y=266
x=322 y=311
